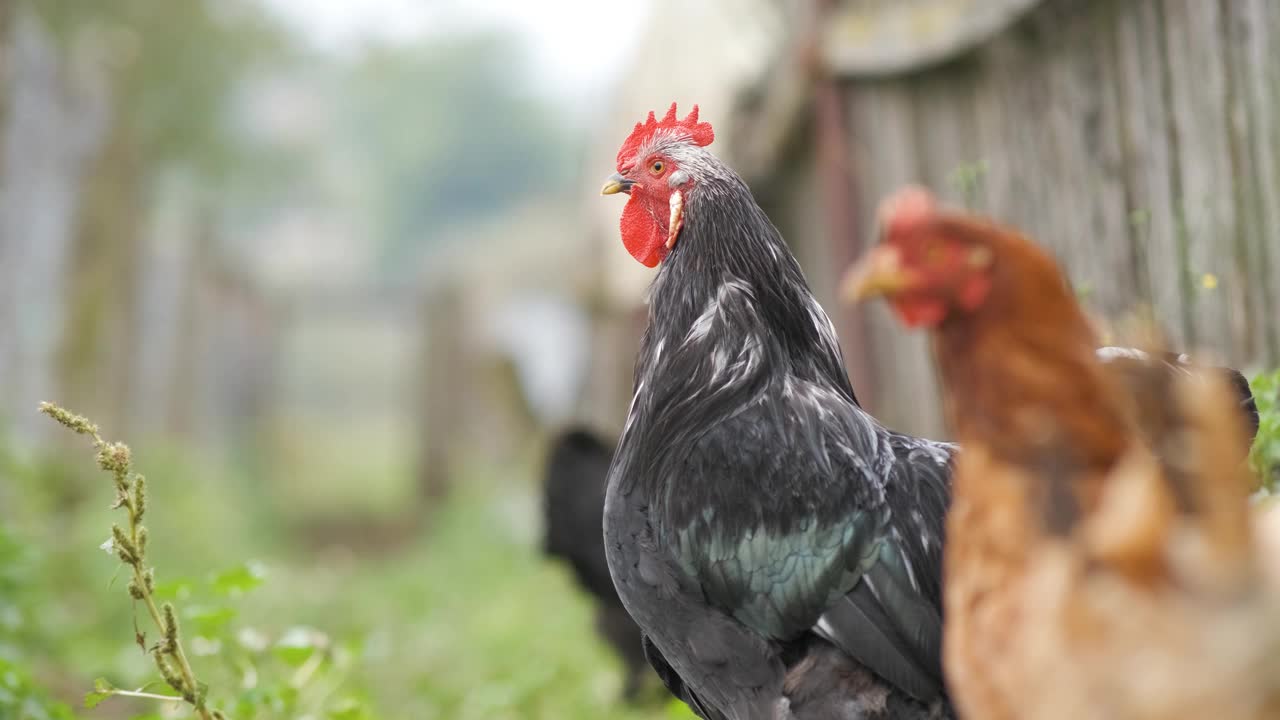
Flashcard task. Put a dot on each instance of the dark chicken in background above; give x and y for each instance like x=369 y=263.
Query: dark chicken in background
x=780 y=549
x=574 y=481
x=1134 y=368
x=1101 y=559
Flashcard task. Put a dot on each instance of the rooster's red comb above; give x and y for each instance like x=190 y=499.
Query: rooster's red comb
x=700 y=133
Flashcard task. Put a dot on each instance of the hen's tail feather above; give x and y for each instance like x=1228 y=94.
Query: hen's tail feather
x=1219 y=481
x=1193 y=489
x=1123 y=359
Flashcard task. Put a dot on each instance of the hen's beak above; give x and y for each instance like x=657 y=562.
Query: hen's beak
x=879 y=272
x=616 y=184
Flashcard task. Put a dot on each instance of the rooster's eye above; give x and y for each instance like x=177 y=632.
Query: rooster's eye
x=657 y=167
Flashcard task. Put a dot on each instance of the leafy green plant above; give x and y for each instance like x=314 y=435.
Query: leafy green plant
x=1265 y=455
x=300 y=672
x=168 y=654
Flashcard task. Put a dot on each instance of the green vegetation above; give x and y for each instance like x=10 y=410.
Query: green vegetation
x=267 y=524
x=969 y=182
x=175 y=67
x=19 y=698
x=130 y=546
x=464 y=620
x=1265 y=456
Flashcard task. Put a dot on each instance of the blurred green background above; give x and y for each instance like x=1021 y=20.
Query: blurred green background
x=221 y=222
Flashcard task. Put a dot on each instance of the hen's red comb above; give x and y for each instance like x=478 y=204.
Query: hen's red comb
x=907 y=209
x=700 y=133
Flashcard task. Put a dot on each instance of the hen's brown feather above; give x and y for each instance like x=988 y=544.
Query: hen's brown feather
x=1100 y=561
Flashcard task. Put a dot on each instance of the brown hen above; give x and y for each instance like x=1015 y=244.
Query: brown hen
x=1100 y=559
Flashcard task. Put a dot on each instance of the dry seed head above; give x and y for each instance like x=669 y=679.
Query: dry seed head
x=169 y=674
x=124 y=547
x=68 y=419
x=139 y=496
x=114 y=457
x=170 y=625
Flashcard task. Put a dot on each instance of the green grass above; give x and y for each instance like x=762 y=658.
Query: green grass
x=469 y=621
x=1265 y=455
x=462 y=620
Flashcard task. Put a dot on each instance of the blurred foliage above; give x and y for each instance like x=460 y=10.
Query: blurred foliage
x=447 y=134
x=471 y=623
x=460 y=618
x=174 y=67
x=173 y=73
x=968 y=180
x=463 y=620
x=20 y=700
x=1265 y=456
x=19 y=697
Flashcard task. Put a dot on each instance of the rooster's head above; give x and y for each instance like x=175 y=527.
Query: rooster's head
x=929 y=264
x=658 y=165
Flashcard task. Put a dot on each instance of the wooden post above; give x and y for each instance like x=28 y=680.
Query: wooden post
x=440 y=397
x=839 y=197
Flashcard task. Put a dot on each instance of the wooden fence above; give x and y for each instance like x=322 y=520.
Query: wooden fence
x=1138 y=139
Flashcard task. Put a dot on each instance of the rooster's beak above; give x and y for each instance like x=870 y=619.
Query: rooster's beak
x=879 y=272
x=616 y=184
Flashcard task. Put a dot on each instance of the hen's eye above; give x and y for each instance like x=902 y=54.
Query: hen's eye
x=657 y=167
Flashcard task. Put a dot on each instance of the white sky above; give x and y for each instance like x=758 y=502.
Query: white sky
x=578 y=45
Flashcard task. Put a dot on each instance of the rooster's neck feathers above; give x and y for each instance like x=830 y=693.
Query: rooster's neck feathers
x=731 y=286
x=731 y=323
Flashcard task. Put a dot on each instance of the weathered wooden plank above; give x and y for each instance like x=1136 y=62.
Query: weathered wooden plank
x=1194 y=54
x=1000 y=193
x=885 y=158
x=1153 y=184
x=1025 y=176
x=950 y=160
x=1018 y=181
x=1125 y=283
x=1083 y=217
x=1254 y=34
x=1244 y=173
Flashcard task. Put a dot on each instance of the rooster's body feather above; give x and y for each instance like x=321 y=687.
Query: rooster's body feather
x=779 y=547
